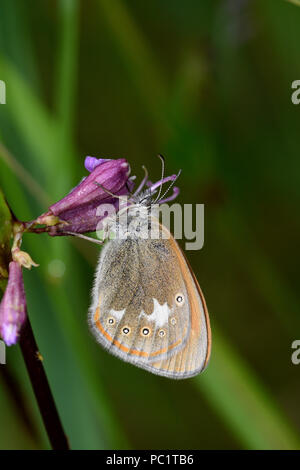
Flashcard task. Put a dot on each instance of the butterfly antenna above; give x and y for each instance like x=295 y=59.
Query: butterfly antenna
x=124 y=198
x=162 y=176
x=144 y=181
x=171 y=185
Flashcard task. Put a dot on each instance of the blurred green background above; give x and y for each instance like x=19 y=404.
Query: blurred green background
x=208 y=85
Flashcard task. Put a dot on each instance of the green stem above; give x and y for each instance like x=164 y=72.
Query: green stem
x=41 y=388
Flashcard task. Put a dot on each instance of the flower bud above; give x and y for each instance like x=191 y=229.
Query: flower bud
x=13 y=305
x=79 y=207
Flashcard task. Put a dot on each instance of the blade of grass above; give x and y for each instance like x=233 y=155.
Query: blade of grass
x=23 y=175
x=65 y=90
x=15 y=31
x=66 y=76
x=39 y=130
x=31 y=119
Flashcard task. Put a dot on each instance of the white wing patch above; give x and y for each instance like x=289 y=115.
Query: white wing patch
x=118 y=314
x=160 y=314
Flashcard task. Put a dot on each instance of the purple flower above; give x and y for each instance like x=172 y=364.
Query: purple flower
x=78 y=210
x=13 y=305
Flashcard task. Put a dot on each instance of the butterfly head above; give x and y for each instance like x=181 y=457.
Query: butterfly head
x=143 y=203
x=153 y=194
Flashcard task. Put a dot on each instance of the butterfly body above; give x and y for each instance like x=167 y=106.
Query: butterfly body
x=147 y=306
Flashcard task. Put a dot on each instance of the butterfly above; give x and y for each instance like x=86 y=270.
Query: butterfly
x=147 y=306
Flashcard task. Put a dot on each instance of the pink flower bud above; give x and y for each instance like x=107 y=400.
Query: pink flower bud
x=13 y=305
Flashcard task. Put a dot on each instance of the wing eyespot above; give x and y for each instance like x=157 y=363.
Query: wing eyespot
x=173 y=321
x=111 y=321
x=126 y=330
x=145 y=331
x=179 y=299
x=162 y=333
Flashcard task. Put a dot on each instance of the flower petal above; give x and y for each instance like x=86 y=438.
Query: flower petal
x=90 y=163
x=112 y=175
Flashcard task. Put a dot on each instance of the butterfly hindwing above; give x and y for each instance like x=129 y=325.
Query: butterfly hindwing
x=148 y=309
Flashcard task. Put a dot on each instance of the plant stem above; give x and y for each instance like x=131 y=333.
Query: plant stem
x=42 y=389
